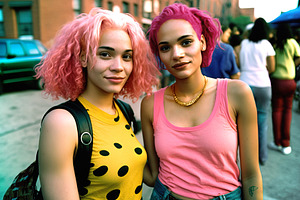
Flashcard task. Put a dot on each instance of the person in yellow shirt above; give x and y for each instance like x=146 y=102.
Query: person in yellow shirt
x=95 y=58
x=283 y=87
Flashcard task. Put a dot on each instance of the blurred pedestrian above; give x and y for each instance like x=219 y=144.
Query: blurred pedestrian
x=193 y=129
x=226 y=33
x=223 y=63
x=95 y=58
x=283 y=87
x=257 y=60
x=235 y=41
x=238 y=39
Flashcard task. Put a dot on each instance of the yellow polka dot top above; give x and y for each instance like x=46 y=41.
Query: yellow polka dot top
x=118 y=159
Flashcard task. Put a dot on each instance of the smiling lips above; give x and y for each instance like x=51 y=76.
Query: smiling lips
x=180 y=65
x=115 y=79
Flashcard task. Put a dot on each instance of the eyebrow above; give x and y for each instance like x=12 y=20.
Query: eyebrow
x=107 y=48
x=180 y=38
x=112 y=49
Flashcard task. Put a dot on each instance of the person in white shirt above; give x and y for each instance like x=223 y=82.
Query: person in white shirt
x=257 y=61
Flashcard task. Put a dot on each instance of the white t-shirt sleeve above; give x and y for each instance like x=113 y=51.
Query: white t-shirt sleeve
x=269 y=48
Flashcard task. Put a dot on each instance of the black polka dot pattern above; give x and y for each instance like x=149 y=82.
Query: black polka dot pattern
x=118 y=146
x=101 y=171
x=82 y=191
x=86 y=183
x=112 y=195
x=117 y=119
x=123 y=171
x=138 y=151
x=127 y=127
x=104 y=153
x=138 y=189
x=92 y=165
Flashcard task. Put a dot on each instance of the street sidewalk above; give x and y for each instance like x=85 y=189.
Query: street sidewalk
x=21 y=112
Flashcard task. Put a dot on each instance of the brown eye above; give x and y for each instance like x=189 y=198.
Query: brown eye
x=164 y=48
x=186 y=42
x=127 y=57
x=104 y=54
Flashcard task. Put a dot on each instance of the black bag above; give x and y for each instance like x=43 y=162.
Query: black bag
x=24 y=185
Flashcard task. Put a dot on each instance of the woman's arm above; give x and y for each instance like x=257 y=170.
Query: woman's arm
x=58 y=141
x=237 y=51
x=151 y=168
x=242 y=101
x=271 y=64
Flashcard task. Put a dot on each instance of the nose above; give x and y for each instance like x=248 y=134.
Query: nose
x=178 y=52
x=117 y=65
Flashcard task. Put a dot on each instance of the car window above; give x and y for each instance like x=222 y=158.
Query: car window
x=16 y=49
x=3 y=50
x=31 y=48
x=41 y=47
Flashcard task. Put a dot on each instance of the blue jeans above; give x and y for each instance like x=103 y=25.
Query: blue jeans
x=262 y=97
x=160 y=192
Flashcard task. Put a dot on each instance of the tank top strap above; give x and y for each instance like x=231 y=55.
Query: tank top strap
x=158 y=104
x=222 y=86
x=223 y=100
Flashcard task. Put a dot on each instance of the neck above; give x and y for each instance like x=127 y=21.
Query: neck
x=104 y=101
x=189 y=87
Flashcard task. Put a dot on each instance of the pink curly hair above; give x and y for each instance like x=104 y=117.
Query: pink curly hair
x=61 y=69
x=201 y=22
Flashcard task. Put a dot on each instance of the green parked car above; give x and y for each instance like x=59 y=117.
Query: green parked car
x=18 y=59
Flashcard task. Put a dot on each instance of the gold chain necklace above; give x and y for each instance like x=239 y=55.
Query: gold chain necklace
x=191 y=102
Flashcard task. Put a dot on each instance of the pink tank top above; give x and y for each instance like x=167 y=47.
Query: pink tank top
x=198 y=162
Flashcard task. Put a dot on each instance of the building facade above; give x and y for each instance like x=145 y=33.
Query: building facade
x=41 y=19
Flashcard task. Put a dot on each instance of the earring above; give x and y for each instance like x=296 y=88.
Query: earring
x=203 y=48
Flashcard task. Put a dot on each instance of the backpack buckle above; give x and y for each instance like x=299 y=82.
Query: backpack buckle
x=86 y=138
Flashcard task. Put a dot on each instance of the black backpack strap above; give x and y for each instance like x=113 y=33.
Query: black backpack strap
x=129 y=114
x=85 y=140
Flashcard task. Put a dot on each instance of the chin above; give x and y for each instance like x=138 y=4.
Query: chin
x=114 y=89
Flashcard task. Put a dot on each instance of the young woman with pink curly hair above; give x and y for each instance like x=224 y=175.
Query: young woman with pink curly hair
x=194 y=128
x=95 y=58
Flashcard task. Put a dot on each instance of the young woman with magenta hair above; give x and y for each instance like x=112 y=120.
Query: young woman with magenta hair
x=194 y=129
x=95 y=58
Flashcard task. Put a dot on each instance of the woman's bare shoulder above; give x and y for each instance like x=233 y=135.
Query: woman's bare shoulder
x=59 y=131
x=239 y=94
x=238 y=88
x=58 y=119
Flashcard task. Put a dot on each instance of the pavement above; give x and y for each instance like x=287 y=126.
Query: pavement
x=21 y=112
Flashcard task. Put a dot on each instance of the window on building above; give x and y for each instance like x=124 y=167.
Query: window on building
x=24 y=20
x=147 y=9
x=136 y=10
x=110 y=5
x=98 y=3
x=125 y=7
x=2 y=32
x=76 y=7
